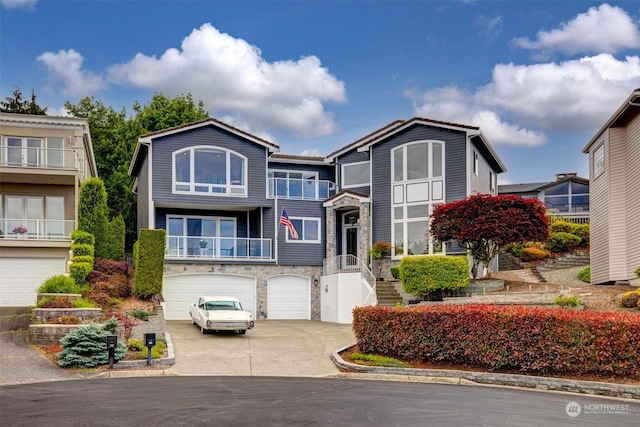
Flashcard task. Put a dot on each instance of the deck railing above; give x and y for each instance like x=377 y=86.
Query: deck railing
x=218 y=248
x=301 y=189
x=49 y=229
x=43 y=158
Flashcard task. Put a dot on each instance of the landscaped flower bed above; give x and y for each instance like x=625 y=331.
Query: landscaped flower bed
x=526 y=339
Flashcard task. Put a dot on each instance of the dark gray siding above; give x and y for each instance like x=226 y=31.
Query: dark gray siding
x=295 y=253
x=480 y=183
x=163 y=148
x=143 y=195
x=325 y=173
x=455 y=167
x=352 y=156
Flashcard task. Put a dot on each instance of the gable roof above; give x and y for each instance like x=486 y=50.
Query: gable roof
x=146 y=139
x=296 y=158
x=522 y=187
x=397 y=126
x=629 y=109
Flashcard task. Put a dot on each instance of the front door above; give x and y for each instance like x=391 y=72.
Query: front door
x=350 y=231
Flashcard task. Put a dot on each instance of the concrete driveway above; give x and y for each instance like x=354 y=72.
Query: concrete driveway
x=272 y=348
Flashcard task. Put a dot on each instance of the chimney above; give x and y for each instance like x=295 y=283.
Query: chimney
x=560 y=176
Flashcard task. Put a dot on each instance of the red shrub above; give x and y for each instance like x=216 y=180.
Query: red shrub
x=58 y=302
x=109 y=266
x=96 y=276
x=528 y=339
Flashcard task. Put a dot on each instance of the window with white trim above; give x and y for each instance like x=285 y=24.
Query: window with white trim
x=206 y=170
x=476 y=166
x=598 y=161
x=308 y=230
x=492 y=182
x=355 y=175
x=417 y=181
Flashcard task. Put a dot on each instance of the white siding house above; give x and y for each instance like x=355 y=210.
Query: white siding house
x=614 y=175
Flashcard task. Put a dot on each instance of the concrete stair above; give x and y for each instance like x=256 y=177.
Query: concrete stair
x=387 y=294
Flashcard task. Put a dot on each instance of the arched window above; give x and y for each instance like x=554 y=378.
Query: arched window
x=209 y=170
x=417 y=187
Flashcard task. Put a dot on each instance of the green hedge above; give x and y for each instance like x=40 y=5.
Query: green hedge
x=83 y=238
x=149 y=263
x=82 y=249
x=79 y=271
x=563 y=242
x=114 y=246
x=93 y=213
x=526 y=339
x=421 y=274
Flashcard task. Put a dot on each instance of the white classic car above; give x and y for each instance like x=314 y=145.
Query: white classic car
x=218 y=313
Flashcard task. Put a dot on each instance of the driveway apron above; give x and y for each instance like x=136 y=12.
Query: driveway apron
x=272 y=348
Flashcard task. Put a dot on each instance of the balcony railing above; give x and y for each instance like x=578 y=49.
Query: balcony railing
x=218 y=248
x=49 y=229
x=301 y=189
x=45 y=158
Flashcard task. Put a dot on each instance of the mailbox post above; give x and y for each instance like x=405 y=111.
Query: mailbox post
x=112 y=343
x=150 y=341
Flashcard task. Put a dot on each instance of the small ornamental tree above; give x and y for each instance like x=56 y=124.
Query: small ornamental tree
x=86 y=347
x=483 y=223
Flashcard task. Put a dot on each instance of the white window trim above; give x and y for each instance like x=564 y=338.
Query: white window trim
x=476 y=162
x=187 y=217
x=192 y=184
x=301 y=232
x=365 y=184
x=600 y=170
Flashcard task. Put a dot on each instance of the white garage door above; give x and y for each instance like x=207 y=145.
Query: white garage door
x=289 y=297
x=20 y=277
x=182 y=290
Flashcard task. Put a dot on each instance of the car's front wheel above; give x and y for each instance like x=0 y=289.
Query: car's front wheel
x=242 y=332
x=203 y=330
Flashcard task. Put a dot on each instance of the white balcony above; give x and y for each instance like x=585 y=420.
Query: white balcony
x=18 y=156
x=301 y=189
x=41 y=229
x=219 y=248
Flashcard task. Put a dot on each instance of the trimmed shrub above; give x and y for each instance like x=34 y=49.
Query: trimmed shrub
x=583 y=231
x=585 y=274
x=533 y=254
x=93 y=211
x=395 y=272
x=83 y=238
x=630 y=299
x=421 y=274
x=79 y=271
x=86 y=347
x=156 y=351
x=82 y=258
x=84 y=303
x=563 y=242
x=59 y=284
x=82 y=249
x=567 y=301
x=526 y=339
x=135 y=344
x=149 y=263
x=114 y=245
x=562 y=227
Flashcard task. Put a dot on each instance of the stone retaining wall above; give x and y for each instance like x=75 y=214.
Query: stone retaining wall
x=46 y=334
x=44 y=314
x=154 y=324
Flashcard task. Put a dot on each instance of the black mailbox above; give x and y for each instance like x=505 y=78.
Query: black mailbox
x=112 y=341
x=150 y=339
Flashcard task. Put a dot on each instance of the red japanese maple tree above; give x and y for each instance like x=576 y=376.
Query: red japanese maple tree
x=483 y=223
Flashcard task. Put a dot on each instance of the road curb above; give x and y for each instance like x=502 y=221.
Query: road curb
x=488 y=378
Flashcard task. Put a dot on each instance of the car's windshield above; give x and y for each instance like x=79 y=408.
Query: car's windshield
x=222 y=305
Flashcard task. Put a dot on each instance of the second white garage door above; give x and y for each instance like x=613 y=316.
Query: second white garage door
x=289 y=297
x=182 y=290
x=20 y=277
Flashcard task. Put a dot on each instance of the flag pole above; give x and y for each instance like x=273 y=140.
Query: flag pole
x=275 y=216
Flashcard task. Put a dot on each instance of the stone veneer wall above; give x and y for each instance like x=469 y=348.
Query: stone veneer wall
x=262 y=272
x=364 y=226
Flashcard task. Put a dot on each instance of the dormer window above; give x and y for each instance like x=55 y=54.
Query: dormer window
x=212 y=171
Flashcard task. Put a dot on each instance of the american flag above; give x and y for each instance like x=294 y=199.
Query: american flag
x=284 y=220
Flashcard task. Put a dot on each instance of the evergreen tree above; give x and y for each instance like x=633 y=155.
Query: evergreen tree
x=17 y=104
x=92 y=213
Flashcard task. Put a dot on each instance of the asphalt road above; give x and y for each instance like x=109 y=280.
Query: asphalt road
x=266 y=401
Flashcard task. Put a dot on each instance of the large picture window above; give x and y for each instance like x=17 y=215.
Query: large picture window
x=209 y=170
x=355 y=175
x=417 y=172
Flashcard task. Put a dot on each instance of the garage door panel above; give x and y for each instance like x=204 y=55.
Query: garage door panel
x=180 y=291
x=22 y=276
x=289 y=297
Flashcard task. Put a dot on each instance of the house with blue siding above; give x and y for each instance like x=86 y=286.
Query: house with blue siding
x=220 y=193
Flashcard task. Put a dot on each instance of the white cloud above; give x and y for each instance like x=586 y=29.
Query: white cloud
x=65 y=67
x=311 y=152
x=601 y=29
x=231 y=77
x=523 y=101
x=19 y=4
x=490 y=28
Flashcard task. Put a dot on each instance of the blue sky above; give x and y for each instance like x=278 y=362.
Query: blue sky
x=538 y=77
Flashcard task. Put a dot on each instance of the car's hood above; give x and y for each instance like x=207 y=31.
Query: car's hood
x=232 y=315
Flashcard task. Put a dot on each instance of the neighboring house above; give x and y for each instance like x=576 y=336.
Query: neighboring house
x=43 y=162
x=220 y=192
x=614 y=173
x=567 y=197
